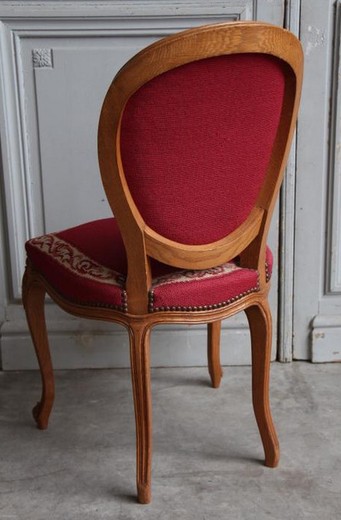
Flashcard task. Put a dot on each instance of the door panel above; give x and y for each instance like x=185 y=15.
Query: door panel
x=317 y=304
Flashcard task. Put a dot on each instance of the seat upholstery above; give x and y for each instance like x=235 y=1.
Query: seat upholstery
x=204 y=289
x=87 y=265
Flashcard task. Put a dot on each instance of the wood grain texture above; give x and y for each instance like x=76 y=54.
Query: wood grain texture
x=213 y=352
x=141 y=243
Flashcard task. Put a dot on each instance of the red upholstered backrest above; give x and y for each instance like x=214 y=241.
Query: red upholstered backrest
x=196 y=142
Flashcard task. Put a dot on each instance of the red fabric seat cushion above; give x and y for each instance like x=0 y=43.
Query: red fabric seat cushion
x=203 y=289
x=87 y=265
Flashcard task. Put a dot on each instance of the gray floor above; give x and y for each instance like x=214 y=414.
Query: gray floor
x=207 y=453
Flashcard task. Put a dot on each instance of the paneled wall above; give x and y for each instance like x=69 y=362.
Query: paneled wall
x=317 y=316
x=57 y=60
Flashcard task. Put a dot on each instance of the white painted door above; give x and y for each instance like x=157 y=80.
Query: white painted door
x=317 y=303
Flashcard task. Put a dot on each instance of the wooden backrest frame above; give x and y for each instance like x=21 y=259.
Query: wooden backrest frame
x=249 y=239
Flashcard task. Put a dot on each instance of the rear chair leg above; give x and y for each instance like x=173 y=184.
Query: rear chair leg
x=33 y=300
x=213 y=352
x=140 y=374
x=259 y=318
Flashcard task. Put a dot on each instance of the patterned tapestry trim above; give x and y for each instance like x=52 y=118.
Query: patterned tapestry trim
x=77 y=262
x=184 y=276
x=190 y=276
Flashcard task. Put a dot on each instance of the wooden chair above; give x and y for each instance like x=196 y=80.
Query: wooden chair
x=194 y=135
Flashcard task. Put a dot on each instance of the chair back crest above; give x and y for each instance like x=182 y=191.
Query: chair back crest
x=194 y=135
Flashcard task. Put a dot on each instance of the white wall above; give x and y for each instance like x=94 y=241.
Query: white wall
x=57 y=60
x=317 y=317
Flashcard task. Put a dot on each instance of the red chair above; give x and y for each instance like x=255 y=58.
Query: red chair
x=193 y=139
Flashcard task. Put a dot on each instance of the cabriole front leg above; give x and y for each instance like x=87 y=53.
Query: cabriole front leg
x=34 y=301
x=259 y=318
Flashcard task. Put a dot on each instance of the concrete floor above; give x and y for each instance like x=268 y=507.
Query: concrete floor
x=207 y=453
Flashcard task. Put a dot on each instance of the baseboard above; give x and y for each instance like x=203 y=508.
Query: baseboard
x=76 y=345
x=326 y=339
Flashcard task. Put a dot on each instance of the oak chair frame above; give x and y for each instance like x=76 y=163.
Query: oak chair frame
x=142 y=243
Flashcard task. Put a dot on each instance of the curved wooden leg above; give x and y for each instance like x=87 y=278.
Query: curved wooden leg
x=259 y=318
x=213 y=352
x=140 y=374
x=33 y=300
